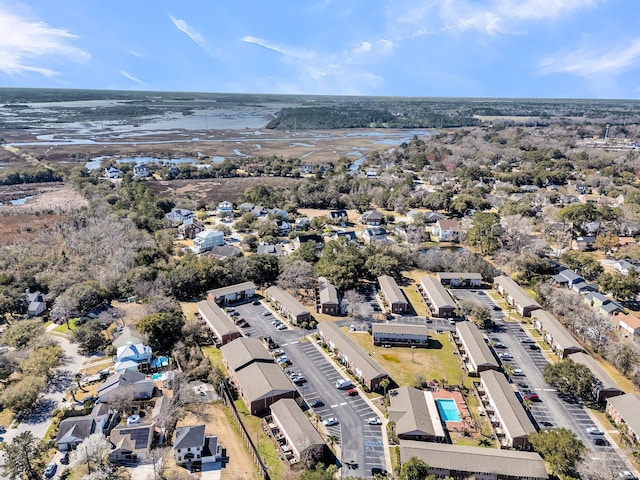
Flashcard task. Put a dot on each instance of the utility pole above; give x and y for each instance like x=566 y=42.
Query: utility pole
x=86 y=452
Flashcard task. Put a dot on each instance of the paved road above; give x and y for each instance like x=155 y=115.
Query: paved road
x=551 y=411
x=39 y=419
x=361 y=444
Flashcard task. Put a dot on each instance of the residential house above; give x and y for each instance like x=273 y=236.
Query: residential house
x=374 y=235
x=555 y=334
x=629 y=323
x=327 y=298
x=246 y=207
x=515 y=295
x=358 y=362
x=317 y=240
x=132 y=443
x=567 y=278
x=623 y=410
x=400 y=334
x=128 y=336
x=232 y=293
x=258 y=211
x=179 y=215
x=297 y=438
x=74 y=430
x=437 y=298
x=284 y=227
x=603 y=304
x=510 y=420
x=140 y=171
x=583 y=244
x=350 y=236
x=268 y=249
x=280 y=213
x=207 y=239
x=371 y=218
x=338 y=215
x=302 y=223
x=392 y=295
x=460 y=279
x=222 y=327
x=474 y=351
x=288 y=306
x=225 y=208
x=461 y=462
x=112 y=172
x=433 y=217
x=416 y=415
x=607 y=387
x=132 y=356
x=624 y=267
x=36 y=302
x=446 y=230
x=191 y=445
x=190 y=228
x=223 y=251
x=128 y=383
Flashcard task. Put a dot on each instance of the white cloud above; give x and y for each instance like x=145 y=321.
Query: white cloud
x=489 y=16
x=282 y=50
x=125 y=74
x=189 y=31
x=23 y=42
x=362 y=48
x=588 y=62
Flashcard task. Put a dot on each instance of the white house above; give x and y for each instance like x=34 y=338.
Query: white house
x=191 y=445
x=36 y=303
x=140 y=171
x=225 y=208
x=624 y=267
x=207 y=239
x=446 y=230
x=112 y=172
x=131 y=356
x=179 y=215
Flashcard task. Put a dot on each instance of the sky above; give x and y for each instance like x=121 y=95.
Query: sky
x=422 y=48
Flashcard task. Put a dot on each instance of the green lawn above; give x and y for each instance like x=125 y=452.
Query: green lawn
x=265 y=446
x=67 y=330
x=405 y=365
x=215 y=356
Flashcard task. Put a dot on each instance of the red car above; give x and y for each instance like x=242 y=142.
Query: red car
x=532 y=396
x=352 y=392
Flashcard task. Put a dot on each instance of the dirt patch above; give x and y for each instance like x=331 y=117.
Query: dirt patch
x=213 y=191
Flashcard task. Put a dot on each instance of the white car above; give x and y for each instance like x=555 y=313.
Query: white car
x=374 y=421
x=505 y=356
x=282 y=326
x=330 y=421
x=518 y=373
x=594 y=431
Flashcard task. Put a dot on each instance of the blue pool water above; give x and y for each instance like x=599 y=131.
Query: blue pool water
x=448 y=410
x=157 y=376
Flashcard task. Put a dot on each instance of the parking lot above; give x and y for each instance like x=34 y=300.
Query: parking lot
x=360 y=444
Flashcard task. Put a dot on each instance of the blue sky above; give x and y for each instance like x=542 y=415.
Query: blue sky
x=468 y=48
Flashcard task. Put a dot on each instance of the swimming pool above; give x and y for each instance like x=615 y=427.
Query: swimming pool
x=448 y=409
x=158 y=376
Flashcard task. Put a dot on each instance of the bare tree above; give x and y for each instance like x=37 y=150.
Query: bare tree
x=93 y=452
x=356 y=303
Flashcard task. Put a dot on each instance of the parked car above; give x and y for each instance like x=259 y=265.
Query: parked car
x=50 y=471
x=499 y=345
x=282 y=326
x=330 y=421
x=518 y=373
x=594 y=431
x=316 y=403
x=277 y=353
x=299 y=380
x=600 y=442
x=505 y=355
x=533 y=346
x=352 y=392
x=378 y=471
x=531 y=396
x=352 y=328
x=626 y=475
x=65 y=459
x=496 y=308
x=374 y=421
x=266 y=313
x=255 y=302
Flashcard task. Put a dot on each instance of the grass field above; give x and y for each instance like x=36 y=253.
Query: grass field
x=265 y=446
x=215 y=356
x=405 y=365
x=67 y=330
